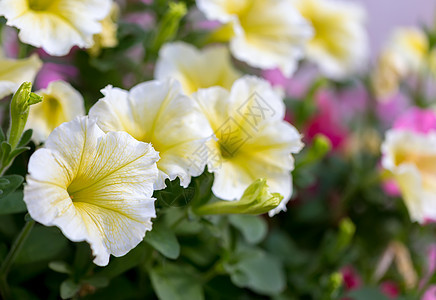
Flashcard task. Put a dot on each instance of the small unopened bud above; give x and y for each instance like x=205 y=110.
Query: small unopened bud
x=257 y=199
x=20 y=104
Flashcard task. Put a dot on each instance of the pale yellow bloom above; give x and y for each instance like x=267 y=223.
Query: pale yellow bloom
x=340 y=43
x=56 y=25
x=411 y=158
x=157 y=112
x=61 y=103
x=194 y=68
x=95 y=186
x=263 y=33
x=13 y=72
x=407 y=53
x=107 y=38
x=252 y=139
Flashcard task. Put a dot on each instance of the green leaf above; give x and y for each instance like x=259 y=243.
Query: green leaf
x=174 y=194
x=253 y=228
x=5 y=151
x=367 y=293
x=43 y=243
x=9 y=183
x=25 y=138
x=256 y=270
x=176 y=282
x=60 y=267
x=17 y=151
x=97 y=281
x=163 y=240
x=12 y=204
x=2 y=135
x=69 y=288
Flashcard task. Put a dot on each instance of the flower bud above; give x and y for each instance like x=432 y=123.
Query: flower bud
x=257 y=199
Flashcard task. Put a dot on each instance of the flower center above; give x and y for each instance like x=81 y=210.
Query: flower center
x=40 y=5
x=53 y=111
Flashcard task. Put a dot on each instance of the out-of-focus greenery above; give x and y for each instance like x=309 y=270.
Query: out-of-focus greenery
x=339 y=216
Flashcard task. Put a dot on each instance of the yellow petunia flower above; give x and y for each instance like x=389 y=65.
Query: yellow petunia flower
x=252 y=139
x=194 y=68
x=411 y=158
x=61 y=103
x=406 y=53
x=264 y=33
x=107 y=38
x=340 y=44
x=13 y=72
x=95 y=186
x=56 y=25
x=157 y=112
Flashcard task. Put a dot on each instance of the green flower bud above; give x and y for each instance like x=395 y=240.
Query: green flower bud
x=20 y=104
x=169 y=25
x=257 y=199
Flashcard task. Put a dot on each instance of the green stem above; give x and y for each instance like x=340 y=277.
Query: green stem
x=10 y=258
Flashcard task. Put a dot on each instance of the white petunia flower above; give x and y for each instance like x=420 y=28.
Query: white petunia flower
x=194 y=68
x=411 y=158
x=56 y=25
x=253 y=140
x=340 y=44
x=157 y=112
x=61 y=103
x=264 y=33
x=13 y=72
x=95 y=186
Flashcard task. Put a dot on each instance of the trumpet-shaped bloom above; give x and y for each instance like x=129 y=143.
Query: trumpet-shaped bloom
x=95 y=186
x=159 y=113
x=409 y=153
x=107 y=38
x=13 y=72
x=61 y=103
x=196 y=69
x=264 y=33
x=340 y=44
x=252 y=139
x=406 y=53
x=56 y=26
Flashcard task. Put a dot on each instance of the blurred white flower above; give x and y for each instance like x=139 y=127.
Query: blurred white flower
x=157 y=112
x=194 y=68
x=107 y=38
x=407 y=53
x=61 y=103
x=95 y=187
x=264 y=33
x=252 y=139
x=340 y=44
x=13 y=72
x=411 y=158
x=56 y=26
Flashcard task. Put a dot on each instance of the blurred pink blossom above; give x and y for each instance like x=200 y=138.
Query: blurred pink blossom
x=327 y=121
x=10 y=42
x=351 y=278
x=430 y=294
x=391 y=188
x=145 y=20
x=417 y=119
x=51 y=72
x=431 y=263
x=389 y=110
x=390 y=289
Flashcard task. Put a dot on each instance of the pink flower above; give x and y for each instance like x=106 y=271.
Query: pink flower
x=52 y=72
x=351 y=279
x=390 y=289
x=430 y=294
x=327 y=121
x=417 y=120
x=391 y=188
x=145 y=20
x=392 y=108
